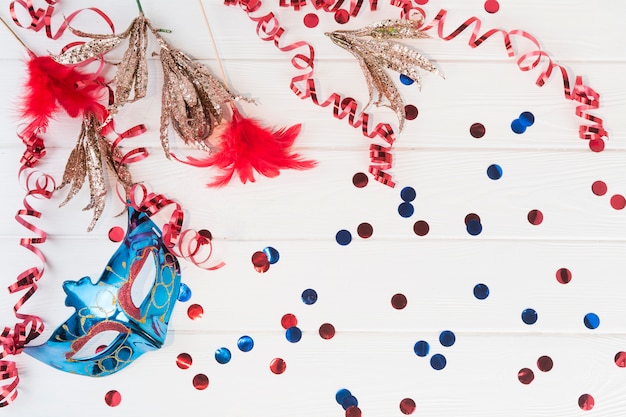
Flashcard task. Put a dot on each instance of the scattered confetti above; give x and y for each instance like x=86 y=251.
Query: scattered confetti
x=288 y=320
x=293 y=334
x=447 y=338
x=519 y=125
x=492 y=6
x=398 y=301
x=620 y=359
x=343 y=237
x=410 y=112
x=200 y=382
x=563 y=275
x=618 y=202
x=184 y=361
x=349 y=401
x=245 y=343
x=360 y=180
x=309 y=296
x=474 y=227
x=184 y=294
x=494 y=172
x=406 y=210
x=342 y=16
x=195 y=311
x=365 y=230
x=407 y=406
x=408 y=194
x=591 y=320
x=481 y=291
x=421 y=228
x=113 y=398
x=272 y=254
x=311 y=20
x=525 y=376
x=341 y=395
x=406 y=80
x=223 y=355
x=327 y=331
x=596 y=145
x=353 y=411
x=421 y=348
x=477 y=130
x=545 y=363
x=260 y=261
x=586 y=402
x=535 y=217
x=599 y=188
x=116 y=234
x=278 y=366
x=438 y=362
x=529 y=316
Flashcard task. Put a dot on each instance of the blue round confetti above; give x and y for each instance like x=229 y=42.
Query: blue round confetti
x=408 y=194
x=309 y=296
x=529 y=316
x=474 y=227
x=293 y=334
x=349 y=401
x=438 y=362
x=481 y=291
x=518 y=126
x=343 y=237
x=245 y=343
x=527 y=118
x=272 y=254
x=447 y=338
x=406 y=80
x=592 y=321
x=421 y=348
x=406 y=210
x=184 y=294
x=222 y=355
x=494 y=172
x=341 y=395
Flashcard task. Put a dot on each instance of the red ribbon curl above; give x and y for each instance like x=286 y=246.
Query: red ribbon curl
x=330 y=5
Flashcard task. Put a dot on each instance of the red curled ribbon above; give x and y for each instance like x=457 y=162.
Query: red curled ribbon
x=330 y=5
x=42 y=18
x=303 y=85
x=12 y=341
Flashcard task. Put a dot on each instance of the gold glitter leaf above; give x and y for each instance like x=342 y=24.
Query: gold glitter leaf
x=88 y=50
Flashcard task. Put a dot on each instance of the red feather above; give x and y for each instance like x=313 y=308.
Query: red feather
x=52 y=86
x=246 y=147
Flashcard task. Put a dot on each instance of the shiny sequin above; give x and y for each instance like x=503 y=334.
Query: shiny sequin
x=421 y=228
x=481 y=291
x=492 y=6
x=596 y=145
x=407 y=406
x=586 y=402
x=353 y=411
x=438 y=362
x=599 y=188
x=288 y=320
x=272 y=254
x=342 y=16
x=195 y=311
x=116 y=234
x=545 y=364
x=563 y=275
x=311 y=20
x=184 y=294
x=477 y=130
x=278 y=366
x=474 y=227
x=327 y=331
x=591 y=321
x=408 y=194
x=525 y=376
x=494 y=172
x=293 y=334
x=365 y=230
x=620 y=359
x=406 y=80
x=406 y=210
x=447 y=338
x=535 y=217
x=309 y=296
x=223 y=355
x=260 y=261
x=398 y=301
x=200 y=382
x=343 y=237
x=184 y=361
x=360 y=180
x=341 y=395
x=529 y=316
x=421 y=348
x=618 y=202
x=113 y=398
x=410 y=112
x=349 y=401
x=245 y=343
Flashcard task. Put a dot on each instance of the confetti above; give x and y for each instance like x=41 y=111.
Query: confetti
x=525 y=376
x=365 y=230
x=406 y=80
x=288 y=320
x=492 y=6
x=327 y=331
x=599 y=188
x=494 y=172
x=545 y=363
x=447 y=338
x=591 y=321
x=563 y=275
x=529 y=316
x=342 y=16
x=398 y=301
x=407 y=406
x=421 y=348
x=360 y=180
x=618 y=202
x=311 y=20
x=272 y=254
x=278 y=366
x=184 y=361
x=113 y=398
x=408 y=194
x=586 y=402
x=309 y=296
x=481 y=291
x=184 y=294
x=200 y=382
x=245 y=343
x=438 y=362
x=620 y=359
x=223 y=355
x=293 y=334
x=410 y=112
x=535 y=217
x=195 y=311
x=477 y=130
x=116 y=234
x=421 y=228
x=343 y=237
x=406 y=210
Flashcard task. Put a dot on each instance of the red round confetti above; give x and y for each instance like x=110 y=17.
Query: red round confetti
x=410 y=112
x=200 y=382
x=545 y=363
x=184 y=360
x=288 y=320
x=535 y=217
x=365 y=230
x=360 y=180
x=342 y=16
x=620 y=359
x=278 y=366
x=260 y=261
x=618 y=202
x=195 y=311
x=421 y=2
x=586 y=402
x=596 y=145
x=599 y=188
x=407 y=406
x=492 y=6
x=564 y=275
x=113 y=398
x=327 y=331
x=398 y=301
x=470 y=217
x=421 y=228
x=525 y=376
x=311 y=20
x=205 y=234
x=116 y=234
x=477 y=130
x=353 y=411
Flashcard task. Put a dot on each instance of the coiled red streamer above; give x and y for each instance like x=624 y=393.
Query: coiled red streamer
x=12 y=341
x=303 y=85
x=330 y=5
x=42 y=18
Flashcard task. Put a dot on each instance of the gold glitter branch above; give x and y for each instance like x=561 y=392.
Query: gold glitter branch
x=376 y=52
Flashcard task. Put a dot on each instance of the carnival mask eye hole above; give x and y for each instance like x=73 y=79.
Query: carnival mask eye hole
x=145 y=278
x=97 y=344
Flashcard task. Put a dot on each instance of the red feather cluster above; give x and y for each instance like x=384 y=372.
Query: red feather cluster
x=246 y=146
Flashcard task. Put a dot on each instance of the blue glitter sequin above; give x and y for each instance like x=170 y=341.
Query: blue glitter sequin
x=421 y=348
x=529 y=316
x=245 y=343
x=184 y=294
x=438 y=362
x=343 y=237
x=481 y=291
x=293 y=334
x=447 y=338
x=272 y=254
x=309 y=296
x=222 y=355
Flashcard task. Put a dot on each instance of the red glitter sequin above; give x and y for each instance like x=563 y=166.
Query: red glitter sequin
x=365 y=230
x=477 y=130
x=278 y=366
x=398 y=301
x=620 y=359
x=407 y=406
x=260 y=261
x=596 y=145
x=113 y=398
x=618 y=202
x=525 y=376
x=421 y=228
x=311 y=20
x=599 y=188
x=470 y=217
x=195 y=311
x=200 y=382
x=564 y=275
x=545 y=363
x=360 y=180
x=116 y=234
x=184 y=361
x=327 y=331
x=535 y=217
x=492 y=6
x=288 y=320
x=586 y=402
x=410 y=112
x=353 y=411
x=342 y=16
x=421 y=2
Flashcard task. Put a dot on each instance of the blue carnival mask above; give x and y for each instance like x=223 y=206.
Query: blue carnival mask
x=107 y=306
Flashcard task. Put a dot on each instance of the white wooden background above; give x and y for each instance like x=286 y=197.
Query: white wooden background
x=546 y=168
